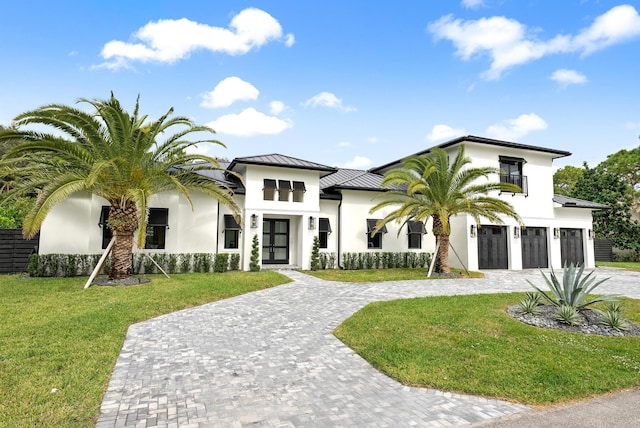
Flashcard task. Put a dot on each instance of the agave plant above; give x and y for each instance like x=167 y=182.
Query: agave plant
x=574 y=289
x=530 y=304
x=612 y=318
x=567 y=314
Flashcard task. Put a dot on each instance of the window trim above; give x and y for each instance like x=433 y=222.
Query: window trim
x=231 y=229
x=155 y=224
x=299 y=189
x=415 y=228
x=284 y=189
x=269 y=188
x=324 y=230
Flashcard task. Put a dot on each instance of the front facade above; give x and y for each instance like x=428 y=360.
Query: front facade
x=287 y=202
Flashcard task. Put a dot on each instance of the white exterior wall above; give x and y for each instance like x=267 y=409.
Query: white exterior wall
x=354 y=213
x=298 y=213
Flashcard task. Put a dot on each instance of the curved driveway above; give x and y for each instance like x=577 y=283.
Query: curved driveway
x=269 y=359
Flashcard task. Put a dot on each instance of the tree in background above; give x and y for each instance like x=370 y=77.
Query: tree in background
x=565 y=178
x=599 y=185
x=121 y=157
x=626 y=165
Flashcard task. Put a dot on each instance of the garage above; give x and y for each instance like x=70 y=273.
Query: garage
x=571 y=246
x=492 y=247
x=534 y=247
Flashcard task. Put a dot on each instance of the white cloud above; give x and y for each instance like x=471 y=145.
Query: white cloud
x=228 y=91
x=289 y=40
x=277 y=107
x=566 y=77
x=358 y=162
x=327 y=99
x=517 y=128
x=344 y=144
x=509 y=43
x=249 y=123
x=472 y=4
x=444 y=132
x=171 y=40
x=372 y=140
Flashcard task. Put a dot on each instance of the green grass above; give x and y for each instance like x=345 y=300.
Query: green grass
x=635 y=266
x=54 y=334
x=376 y=275
x=469 y=344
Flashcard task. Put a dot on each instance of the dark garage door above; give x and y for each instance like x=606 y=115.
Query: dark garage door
x=571 y=248
x=534 y=247
x=492 y=247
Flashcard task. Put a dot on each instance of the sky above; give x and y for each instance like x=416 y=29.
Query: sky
x=352 y=84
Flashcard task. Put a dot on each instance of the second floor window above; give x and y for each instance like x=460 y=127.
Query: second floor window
x=511 y=172
x=269 y=189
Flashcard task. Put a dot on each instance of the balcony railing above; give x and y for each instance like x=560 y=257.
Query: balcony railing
x=519 y=180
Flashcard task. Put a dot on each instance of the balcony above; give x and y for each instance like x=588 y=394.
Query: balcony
x=519 y=180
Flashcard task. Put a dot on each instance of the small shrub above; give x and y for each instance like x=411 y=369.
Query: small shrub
x=234 y=262
x=254 y=263
x=530 y=304
x=148 y=265
x=172 y=264
x=185 y=263
x=202 y=262
x=221 y=262
x=612 y=317
x=567 y=314
x=315 y=254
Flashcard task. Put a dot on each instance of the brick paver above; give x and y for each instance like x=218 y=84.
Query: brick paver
x=269 y=359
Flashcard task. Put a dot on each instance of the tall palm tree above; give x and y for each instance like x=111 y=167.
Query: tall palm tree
x=121 y=157
x=428 y=186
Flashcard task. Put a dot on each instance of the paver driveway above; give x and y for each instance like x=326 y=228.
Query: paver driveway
x=269 y=359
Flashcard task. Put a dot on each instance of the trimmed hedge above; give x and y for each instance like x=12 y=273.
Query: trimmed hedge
x=68 y=265
x=385 y=260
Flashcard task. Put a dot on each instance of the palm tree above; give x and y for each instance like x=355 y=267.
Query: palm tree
x=120 y=157
x=427 y=186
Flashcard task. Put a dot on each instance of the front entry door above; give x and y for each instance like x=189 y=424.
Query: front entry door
x=275 y=241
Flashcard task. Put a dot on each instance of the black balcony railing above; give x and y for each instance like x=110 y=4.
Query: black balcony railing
x=519 y=180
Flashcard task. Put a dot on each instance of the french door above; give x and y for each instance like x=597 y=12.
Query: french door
x=275 y=241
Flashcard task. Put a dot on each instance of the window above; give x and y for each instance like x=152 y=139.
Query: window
x=284 y=190
x=511 y=172
x=298 y=191
x=374 y=241
x=415 y=231
x=324 y=229
x=106 y=232
x=157 y=225
x=269 y=189
x=231 y=232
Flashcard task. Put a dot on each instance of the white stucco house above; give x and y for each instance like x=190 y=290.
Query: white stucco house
x=287 y=201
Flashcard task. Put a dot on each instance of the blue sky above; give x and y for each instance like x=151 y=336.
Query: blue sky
x=344 y=83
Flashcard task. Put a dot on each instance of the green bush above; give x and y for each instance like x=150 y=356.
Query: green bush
x=234 y=262
x=380 y=260
x=221 y=262
x=254 y=264
x=315 y=254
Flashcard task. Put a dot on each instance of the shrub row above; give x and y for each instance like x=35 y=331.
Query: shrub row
x=386 y=260
x=67 y=265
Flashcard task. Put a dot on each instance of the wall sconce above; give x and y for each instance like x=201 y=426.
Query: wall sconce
x=472 y=231
x=254 y=221
x=312 y=223
x=556 y=232
x=516 y=232
x=592 y=234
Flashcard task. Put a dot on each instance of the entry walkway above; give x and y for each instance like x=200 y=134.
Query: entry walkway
x=269 y=359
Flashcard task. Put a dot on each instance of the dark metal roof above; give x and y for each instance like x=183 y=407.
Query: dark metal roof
x=281 y=161
x=480 y=140
x=353 y=179
x=220 y=175
x=568 y=202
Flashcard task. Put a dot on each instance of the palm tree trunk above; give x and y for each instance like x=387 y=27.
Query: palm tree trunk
x=121 y=265
x=123 y=220
x=442 y=258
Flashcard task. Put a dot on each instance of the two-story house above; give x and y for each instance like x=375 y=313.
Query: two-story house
x=286 y=202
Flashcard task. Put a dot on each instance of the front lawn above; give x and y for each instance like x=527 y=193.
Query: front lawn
x=376 y=275
x=635 y=266
x=468 y=344
x=54 y=334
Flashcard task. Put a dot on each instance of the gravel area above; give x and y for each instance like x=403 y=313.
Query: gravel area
x=589 y=322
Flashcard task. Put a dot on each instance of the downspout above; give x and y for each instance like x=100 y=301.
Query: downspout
x=339 y=230
x=217 y=227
